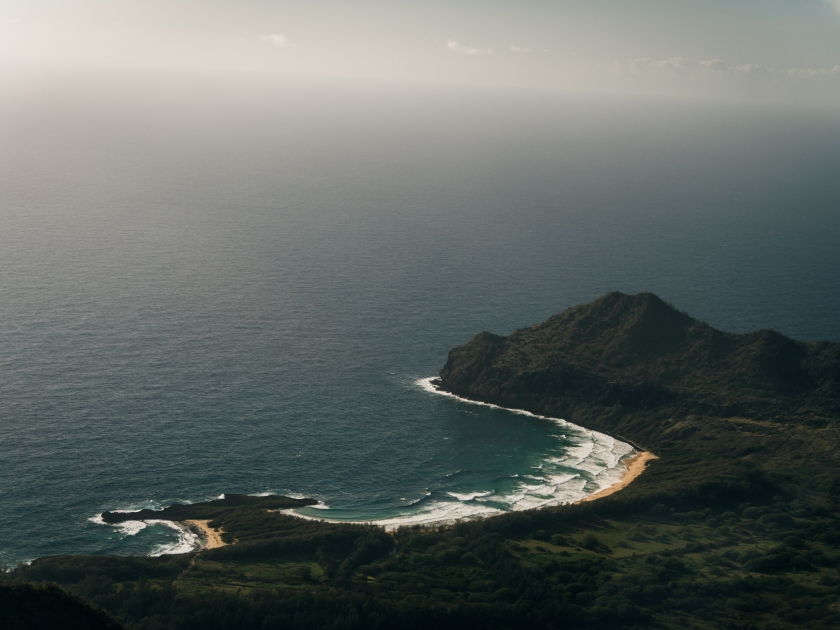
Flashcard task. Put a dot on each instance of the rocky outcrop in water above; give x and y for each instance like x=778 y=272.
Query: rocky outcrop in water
x=209 y=509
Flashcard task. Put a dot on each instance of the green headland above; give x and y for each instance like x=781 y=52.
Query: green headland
x=735 y=525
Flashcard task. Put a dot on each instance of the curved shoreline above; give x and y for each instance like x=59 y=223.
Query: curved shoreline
x=634 y=463
x=211 y=537
x=635 y=467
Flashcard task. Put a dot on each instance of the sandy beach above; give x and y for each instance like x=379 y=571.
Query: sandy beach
x=635 y=467
x=213 y=537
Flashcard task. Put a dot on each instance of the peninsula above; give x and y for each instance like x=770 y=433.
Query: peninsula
x=209 y=510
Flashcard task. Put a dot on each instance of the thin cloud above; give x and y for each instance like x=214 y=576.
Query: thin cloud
x=688 y=67
x=684 y=75
x=462 y=49
x=281 y=41
x=834 y=4
x=524 y=50
x=814 y=72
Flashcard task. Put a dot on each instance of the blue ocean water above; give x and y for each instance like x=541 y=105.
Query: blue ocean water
x=210 y=288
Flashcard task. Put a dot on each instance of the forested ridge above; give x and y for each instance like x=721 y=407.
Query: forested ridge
x=736 y=525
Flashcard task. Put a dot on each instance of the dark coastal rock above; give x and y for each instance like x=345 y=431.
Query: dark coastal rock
x=209 y=509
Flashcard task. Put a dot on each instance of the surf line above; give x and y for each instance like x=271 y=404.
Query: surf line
x=635 y=464
x=193 y=534
x=635 y=467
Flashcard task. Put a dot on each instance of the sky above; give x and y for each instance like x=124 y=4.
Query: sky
x=770 y=50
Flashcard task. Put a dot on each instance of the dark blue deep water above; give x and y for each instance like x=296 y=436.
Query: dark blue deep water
x=212 y=288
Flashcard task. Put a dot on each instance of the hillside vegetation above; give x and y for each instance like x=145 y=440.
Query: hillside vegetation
x=736 y=525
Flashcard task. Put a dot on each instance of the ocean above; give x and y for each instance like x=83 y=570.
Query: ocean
x=227 y=285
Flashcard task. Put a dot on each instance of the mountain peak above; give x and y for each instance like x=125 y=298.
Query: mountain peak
x=638 y=350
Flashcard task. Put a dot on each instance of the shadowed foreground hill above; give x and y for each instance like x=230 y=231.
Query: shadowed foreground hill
x=27 y=607
x=735 y=526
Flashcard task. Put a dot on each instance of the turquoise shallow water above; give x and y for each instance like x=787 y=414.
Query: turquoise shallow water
x=243 y=294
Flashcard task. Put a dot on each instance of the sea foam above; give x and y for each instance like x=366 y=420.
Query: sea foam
x=130 y=528
x=590 y=464
x=127 y=528
x=187 y=541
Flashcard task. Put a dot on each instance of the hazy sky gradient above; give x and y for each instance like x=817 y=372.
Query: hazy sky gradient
x=769 y=50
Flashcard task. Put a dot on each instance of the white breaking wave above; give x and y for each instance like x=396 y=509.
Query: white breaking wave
x=130 y=528
x=469 y=496
x=188 y=540
x=127 y=528
x=596 y=458
x=440 y=512
x=423 y=498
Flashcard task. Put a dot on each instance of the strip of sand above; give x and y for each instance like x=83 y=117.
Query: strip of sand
x=213 y=537
x=635 y=467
